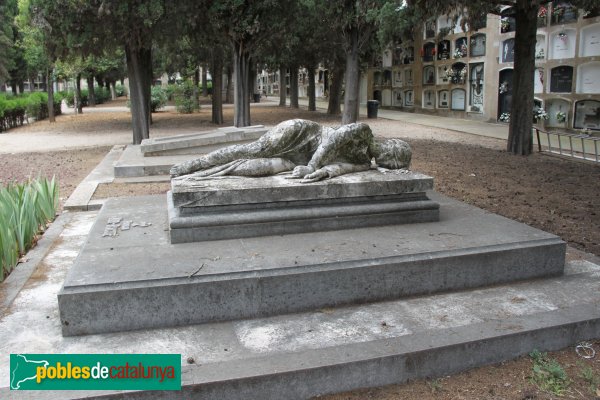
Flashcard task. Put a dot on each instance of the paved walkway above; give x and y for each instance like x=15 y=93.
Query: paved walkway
x=498 y=131
x=480 y=128
x=49 y=141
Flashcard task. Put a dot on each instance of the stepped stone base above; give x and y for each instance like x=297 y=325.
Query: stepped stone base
x=130 y=276
x=236 y=207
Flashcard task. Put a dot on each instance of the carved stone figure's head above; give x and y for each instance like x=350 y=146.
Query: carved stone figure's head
x=391 y=153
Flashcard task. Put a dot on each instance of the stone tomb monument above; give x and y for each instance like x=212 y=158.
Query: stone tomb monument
x=259 y=232
x=305 y=217
x=298 y=177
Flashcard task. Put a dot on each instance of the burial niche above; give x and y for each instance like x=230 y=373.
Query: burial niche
x=588 y=78
x=478 y=45
x=507 y=52
x=458 y=99
x=587 y=115
x=429 y=75
x=561 y=79
x=428 y=98
x=589 y=45
x=476 y=89
x=443 y=99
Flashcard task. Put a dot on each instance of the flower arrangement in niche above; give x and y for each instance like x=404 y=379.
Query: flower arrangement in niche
x=457 y=76
x=561 y=117
x=558 y=11
x=461 y=51
x=504 y=117
x=540 y=55
x=504 y=24
x=539 y=114
x=542 y=12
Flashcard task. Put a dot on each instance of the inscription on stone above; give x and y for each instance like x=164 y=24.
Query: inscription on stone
x=116 y=224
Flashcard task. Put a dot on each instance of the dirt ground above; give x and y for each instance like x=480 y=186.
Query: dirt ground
x=553 y=194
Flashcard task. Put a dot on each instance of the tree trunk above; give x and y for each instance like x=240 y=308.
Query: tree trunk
x=312 y=103
x=282 y=87
x=78 y=103
x=205 y=80
x=335 y=90
x=216 y=71
x=294 y=86
x=520 y=136
x=196 y=90
x=50 y=86
x=241 y=92
x=138 y=70
x=350 y=114
x=91 y=93
x=113 y=91
x=228 y=90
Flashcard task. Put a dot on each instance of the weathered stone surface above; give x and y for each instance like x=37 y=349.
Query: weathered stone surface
x=200 y=192
x=138 y=279
x=236 y=207
x=197 y=143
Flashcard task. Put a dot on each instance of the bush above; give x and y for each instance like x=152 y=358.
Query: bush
x=14 y=110
x=170 y=91
x=70 y=98
x=185 y=102
x=25 y=209
x=120 y=89
x=158 y=98
x=102 y=94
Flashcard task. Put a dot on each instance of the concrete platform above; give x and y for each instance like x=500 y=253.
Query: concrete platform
x=236 y=207
x=132 y=163
x=200 y=142
x=156 y=156
x=324 y=351
x=137 y=279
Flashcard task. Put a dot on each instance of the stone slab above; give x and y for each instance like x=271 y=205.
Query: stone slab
x=189 y=191
x=309 y=354
x=132 y=163
x=81 y=198
x=200 y=142
x=265 y=219
x=138 y=279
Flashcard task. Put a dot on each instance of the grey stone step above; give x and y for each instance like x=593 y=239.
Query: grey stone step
x=237 y=207
x=132 y=163
x=331 y=350
x=200 y=142
x=139 y=280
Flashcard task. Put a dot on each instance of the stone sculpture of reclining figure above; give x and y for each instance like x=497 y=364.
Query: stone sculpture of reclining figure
x=311 y=151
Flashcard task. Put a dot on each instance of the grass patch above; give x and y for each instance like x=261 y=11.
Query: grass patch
x=548 y=374
x=25 y=210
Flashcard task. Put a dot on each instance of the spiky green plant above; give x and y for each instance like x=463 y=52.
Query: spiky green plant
x=25 y=209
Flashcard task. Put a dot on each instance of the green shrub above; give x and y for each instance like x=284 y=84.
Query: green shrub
x=70 y=98
x=120 y=89
x=14 y=110
x=170 y=91
x=158 y=98
x=185 y=102
x=25 y=209
x=102 y=95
